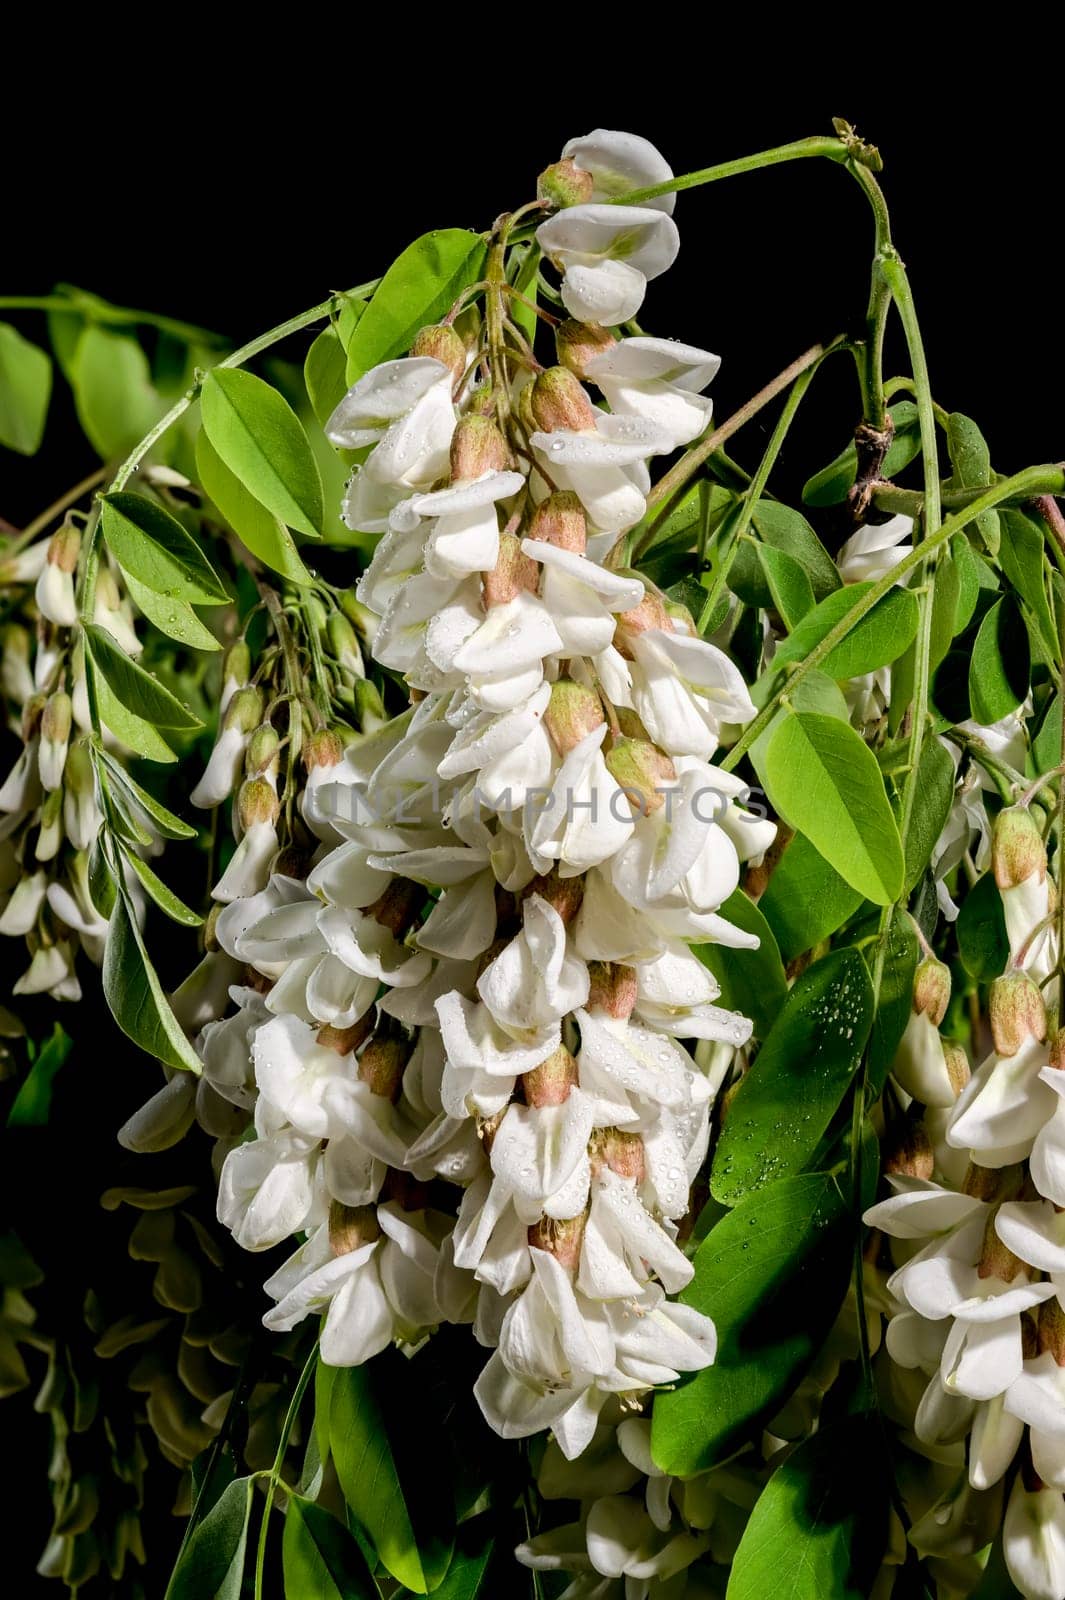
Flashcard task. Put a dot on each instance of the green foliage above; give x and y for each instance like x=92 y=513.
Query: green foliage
x=419 y=287
x=259 y=437
x=25 y=389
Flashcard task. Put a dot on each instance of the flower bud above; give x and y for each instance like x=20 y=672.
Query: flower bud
x=513 y=573
x=906 y=1151
x=623 y=1153
x=81 y=815
x=561 y=1239
x=550 y=1083
x=572 y=713
x=399 y=907
x=381 y=1065
x=559 y=402
x=931 y=990
x=1017 y=851
x=958 y=1070
x=650 y=613
x=563 y=895
x=477 y=447
x=559 y=520
x=642 y=770
x=578 y=343
x=1017 y=1012
x=257 y=802
x=16 y=679
x=613 y=988
x=50 y=836
x=56 y=720
x=1051 y=1334
x=245 y=711
x=997 y=1260
x=991 y=1183
x=345 y=645
x=236 y=671
x=344 y=1041
x=350 y=1227
x=564 y=184
x=54 y=591
x=441 y=343
x=27 y=898
x=261 y=754
x=323 y=748
x=26 y=565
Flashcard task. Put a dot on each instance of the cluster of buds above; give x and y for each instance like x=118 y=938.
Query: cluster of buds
x=49 y=812
x=977 y=1341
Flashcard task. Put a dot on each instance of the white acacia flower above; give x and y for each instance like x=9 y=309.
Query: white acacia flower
x=619 y=163
x=269 y=1189
x=607 y=253
x=225 y=1048
x=54 y=594
x=162 y=1120
x=1033 y=1541
x=584 y=818
x=509 y=752
x=683 y=690
x=1003 y=1106
x=464 y=536
x=22 y=909
x=249 y=866
x=875 y=549
x=659 y=380
x=581 y=596
x=605 y=466
x=51 y=971
x=502 y=657
x=534 y=981
x=404 y=409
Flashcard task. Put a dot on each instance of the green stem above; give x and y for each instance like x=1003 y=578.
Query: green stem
x=753 y=494
x=116 y=316
x=1049 y=479
x=279 y=1460
x=799 y=150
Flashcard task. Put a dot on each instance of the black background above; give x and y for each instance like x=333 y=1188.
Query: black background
x=225 y=210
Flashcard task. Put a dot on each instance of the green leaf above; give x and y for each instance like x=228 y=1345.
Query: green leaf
x=32 y=1105
x=389 y=1480
x=102 y=891
x=878 y=638
x=829 y=486
x=813 y=692
x=788 y=530
x=752 y=981
x=788 y=583
x=820 y=1526
x=113 y=392
x=967 y=569
x=175 y=618
x=140 y=693
x=1046 y=746
x=824 y=780
x=211 y=1564
x=419 y=287
x=164 y=897
x=320 y=1559
x=467 y=1576
x=1022 y=556
x=261 y=440
x=324 y=374
x=935 y=795
x=806 y=899
x=1000 y=664
x=895 y=1000
x=132 y=730
x=135 y=995
x=971 y=461
x=164 y=820
x=772 y=1274
x=348 y=317
x=981 y=927
x=263 y=533
x=799 y=1078
x=25 y=389
x=149 y=543
x=944 y=609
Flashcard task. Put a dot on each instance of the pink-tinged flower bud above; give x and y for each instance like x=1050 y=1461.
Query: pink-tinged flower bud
x=561 y=1239
x=997 y=1260
x=405 y=1191
x=399 y=907
x=350 y=1227
x=322 y=748
x=906 y=1150
x=293 y=862
x=563 y=895
x=560 y=521
x=1016 y=1012
x=56 y=721
x=550 y=1083
x=345 y=646
x=958 y=1070
x=642 y=770
x=578 y=343
x=612 y=988
x=650 y=613
x=559 y=403
x=992 y=1183
x=257 y=802
x=931 y=990
x=382 y=1063
x=1017 y=851
x=513 y=573
x=261 y=754
x=441 y=343
x=345 y=1041
x=54 y=592
x=623 y=1153
x=573 y=712
x=1051 y=1331
x=477 y=447
x=564 y=184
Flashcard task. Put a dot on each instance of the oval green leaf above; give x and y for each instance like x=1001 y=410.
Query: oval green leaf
x=772 y=1274
x=211 y=1564
x=1000 y=664
x=263 y=533
x=175 y=618
x=25 y=389
x=752 y=981
x=154 y=548
x=113 y=392
x=135 y=995
x=140 y=693
x=983 y=943
x=419 y=287
x=261 y=440
x=824 y=780
x=879 y=638
x=799 y=1078
x=163 y=819
x=806 y=900
x=789 y=585
x=324 y=374
x=164 y=897
x=320 y=1558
